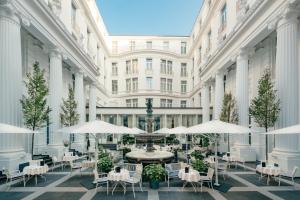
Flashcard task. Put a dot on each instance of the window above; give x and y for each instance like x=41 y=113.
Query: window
x=163 y=69
x=128 y=85
x=149 y=44
x=169 y=85
x=169 y=103
x=135 y=66
x=200 y=54
x=224 y=16
x=163 y=103
x=200 y=99
x=169 y=67
x=88 y=36
x=166 y=45
x=73 y=15
x=183 y=104
x=115 y=47
x=149 y=82
x=183 y=87
x=163 y=83
x=135 y=103
x=193 y=82
x=183 y=47
x=114 y=86
x=209 y=94
x=183 y=71
x=149 y=64
x=209 y=40
x=128 y=67
x=134 y=84
x=114 y=69
x=128 y=103
x=132 y=45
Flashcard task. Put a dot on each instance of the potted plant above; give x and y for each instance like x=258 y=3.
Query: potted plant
x=199 y=165
x=66 y=143
x=105 y=164
x=155 y=173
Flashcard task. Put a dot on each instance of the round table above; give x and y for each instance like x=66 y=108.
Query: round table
x=118 y=178
x=88 y=164
x=34 y=170
x=191 y=177
x=269 y=170
x=69 y=158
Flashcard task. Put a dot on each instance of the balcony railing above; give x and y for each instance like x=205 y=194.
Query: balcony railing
x=128 y=49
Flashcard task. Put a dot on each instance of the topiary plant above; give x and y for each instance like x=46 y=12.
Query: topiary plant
x=155 y=173
x=199 y=165
x=105 y=164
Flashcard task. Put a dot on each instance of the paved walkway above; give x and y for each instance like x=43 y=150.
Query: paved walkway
x=239 y=184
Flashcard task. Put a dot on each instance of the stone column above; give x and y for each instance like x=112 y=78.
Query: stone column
x=134 y=121
x=286 y=151
x=92 y=102
x=242 y=93
x=55 y=95
x=205 y=103
x=165 y=121
x=219 y=95
x=11 y=146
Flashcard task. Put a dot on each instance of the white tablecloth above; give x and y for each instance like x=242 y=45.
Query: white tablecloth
x=88 y=163
x=192 y=176
x=269 y=170
x=69 y=158
x=229 y=159
x=122 y=176
x=35 y=170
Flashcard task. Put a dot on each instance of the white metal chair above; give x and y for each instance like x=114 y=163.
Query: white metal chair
x=172 y=171
x=100 y=179
x=293 y=173
x=135 y=179
x=74 y=166
x=222 y=167
x=13 y=175
x=54 y=161
x=208 y=178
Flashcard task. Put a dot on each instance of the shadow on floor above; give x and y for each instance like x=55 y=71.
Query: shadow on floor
x=60 y=196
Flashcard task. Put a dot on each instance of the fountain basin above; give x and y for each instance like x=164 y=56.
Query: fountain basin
x=157 y=156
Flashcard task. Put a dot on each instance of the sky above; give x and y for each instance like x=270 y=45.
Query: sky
x=149 y=17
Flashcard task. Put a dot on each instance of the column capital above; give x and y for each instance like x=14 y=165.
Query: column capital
x=7 y=7
x=55 y=52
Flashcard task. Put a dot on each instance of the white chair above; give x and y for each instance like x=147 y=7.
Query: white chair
x=54 y=161
x=135 y=179
x=172 y=171
x=222 y=167
x=100 y=179
x=293 y=173
x=74 y=166
x=208 y=178
x=13 y=175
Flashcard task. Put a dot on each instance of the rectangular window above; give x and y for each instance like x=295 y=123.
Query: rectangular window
x=183 y=87
x=132 y=45
x=169 y=103
x=163 y=83
x=183 y=104
x=73 y=15
x=200 y=54
x=169 y=85
x=224 y=16
x=166 y=45
x=149 y=44
x=134 y=103
x=114 y=69
x=128 y=85
x=209 y=41
x=149 y=82
x=183 y=71
x=149 y=64
x=134 y=84
x=183 y=47
x=128 y=103
x=170 y=68
x=163 y=67
x=128 y=67
x=115 y=47
x=163 y=103
x=114 y=86
x=135 y=66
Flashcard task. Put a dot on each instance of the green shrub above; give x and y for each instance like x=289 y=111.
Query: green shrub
x=197 y=155
x=200 y=165
x=105 y=164
x=154 y=172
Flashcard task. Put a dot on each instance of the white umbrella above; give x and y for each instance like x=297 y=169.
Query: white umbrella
x=6 y=128
x=163 y=130
x=218 y=127
x=286 y=131
x=180 y=130
x=137 y=130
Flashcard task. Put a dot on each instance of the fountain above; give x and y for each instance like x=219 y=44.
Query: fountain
x=151 y=155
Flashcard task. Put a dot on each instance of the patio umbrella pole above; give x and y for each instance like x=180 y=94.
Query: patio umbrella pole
x=216 y=163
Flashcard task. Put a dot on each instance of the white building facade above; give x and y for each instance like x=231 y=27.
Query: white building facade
x=229 y=48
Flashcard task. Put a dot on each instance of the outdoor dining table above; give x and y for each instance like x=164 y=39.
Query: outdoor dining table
x=269 y=170
x=191 y=177
x=118 y=178
x=230 y=159
x=34 y=171
x=88 y=164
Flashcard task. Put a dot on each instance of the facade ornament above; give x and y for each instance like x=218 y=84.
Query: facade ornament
x=55 y=52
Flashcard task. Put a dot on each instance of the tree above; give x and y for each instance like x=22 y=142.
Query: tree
x=69 y=115
x=34 y=104
x=265 y=107
x=229 y=112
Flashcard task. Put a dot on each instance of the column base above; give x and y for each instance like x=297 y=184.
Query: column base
x=286 y=160
x=244 y=151
x=11 y=160
x=54 y=150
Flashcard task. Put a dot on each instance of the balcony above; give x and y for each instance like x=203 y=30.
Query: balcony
x=125 y=49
